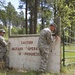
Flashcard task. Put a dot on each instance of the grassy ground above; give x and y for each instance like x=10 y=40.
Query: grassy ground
x=70 y=70
x=69 y=54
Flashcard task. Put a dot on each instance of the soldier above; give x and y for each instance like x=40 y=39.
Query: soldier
x=44 y=45
x=3 y=48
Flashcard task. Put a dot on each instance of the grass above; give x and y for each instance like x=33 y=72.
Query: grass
x=69 y=70
x=4 y=72
x=70 y=54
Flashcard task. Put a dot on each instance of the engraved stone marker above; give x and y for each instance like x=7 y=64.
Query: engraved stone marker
x=24 y=54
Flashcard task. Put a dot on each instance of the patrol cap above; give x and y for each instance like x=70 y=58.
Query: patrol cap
x=53 y=24
x=2 y=30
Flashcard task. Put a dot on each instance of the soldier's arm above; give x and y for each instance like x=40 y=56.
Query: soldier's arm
x=49 y=37
x=3 y=42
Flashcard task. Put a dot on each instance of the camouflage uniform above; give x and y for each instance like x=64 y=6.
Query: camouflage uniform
x=44 y=44
x=3 y=50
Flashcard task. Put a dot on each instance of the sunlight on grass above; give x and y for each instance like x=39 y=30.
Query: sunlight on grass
x=70 y=70
x=11 y=72
x=69 y=54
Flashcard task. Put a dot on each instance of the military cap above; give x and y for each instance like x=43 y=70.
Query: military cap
x=2 y=30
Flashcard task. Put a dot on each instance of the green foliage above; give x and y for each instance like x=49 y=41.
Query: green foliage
x=10 y=10
x=6 y=33
x=65 y=71
x=66 y=10
x=10 y=16
x=2 y=2
x=3 y=16
x=38 y=29
x=21 y=31
x=14 y=30
x=46 y=10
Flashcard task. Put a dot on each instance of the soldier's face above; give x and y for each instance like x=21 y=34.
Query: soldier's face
x=52 y=28
x=2 y=33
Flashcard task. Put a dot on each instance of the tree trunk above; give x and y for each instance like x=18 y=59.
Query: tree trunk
x=42 y=19
x=35 y=17
x=26 y=18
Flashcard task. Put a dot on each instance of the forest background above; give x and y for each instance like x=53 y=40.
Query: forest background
x=38 y=14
